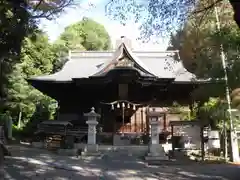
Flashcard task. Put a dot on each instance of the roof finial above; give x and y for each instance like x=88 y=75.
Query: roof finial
x=122 y=38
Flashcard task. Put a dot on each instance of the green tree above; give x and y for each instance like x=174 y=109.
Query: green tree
x=36 y=59
x=84 y=35
x=199 y=45
x=18 y=19
x=198 y=42
x=61 y=53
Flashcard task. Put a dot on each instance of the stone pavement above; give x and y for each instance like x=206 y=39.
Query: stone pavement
x=28 y=163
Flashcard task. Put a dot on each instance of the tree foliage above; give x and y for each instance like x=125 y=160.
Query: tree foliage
x=49 y=9
x=83 y=35
x=36 y=58
x=18 y=19
x=199 y=43
x=14 y=25
x=159 y=17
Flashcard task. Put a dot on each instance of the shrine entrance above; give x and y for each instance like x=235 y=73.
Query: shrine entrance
x=127 y=121
x=124 y=120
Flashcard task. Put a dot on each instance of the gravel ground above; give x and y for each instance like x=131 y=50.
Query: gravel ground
x=28 y=163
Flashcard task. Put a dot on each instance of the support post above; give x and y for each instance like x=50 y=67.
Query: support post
x=165 y=122
x=92 y=123
x=172 y=133
x=142 y=127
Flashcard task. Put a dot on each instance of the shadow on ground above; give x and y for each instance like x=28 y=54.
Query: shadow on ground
x=28 y=163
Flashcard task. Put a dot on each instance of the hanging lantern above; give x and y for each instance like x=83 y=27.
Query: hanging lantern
x=118 y=105
x=123 y=105
x=134 y=107
x=112 y=107
x=128 y=106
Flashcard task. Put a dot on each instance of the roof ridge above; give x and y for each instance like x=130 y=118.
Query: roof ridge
x=113 y=50
x=93 y=51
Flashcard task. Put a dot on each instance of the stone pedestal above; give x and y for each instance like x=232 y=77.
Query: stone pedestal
x=156 y=150
x=92 y=123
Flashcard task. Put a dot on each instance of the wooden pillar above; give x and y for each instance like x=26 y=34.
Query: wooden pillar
x=147 y=122
x=172 y=137
x=135 y=122
x=164 y=122
x=142 y=120
x=131 y=124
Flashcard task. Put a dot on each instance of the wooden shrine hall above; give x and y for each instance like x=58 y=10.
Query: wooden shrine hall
x=121 y=84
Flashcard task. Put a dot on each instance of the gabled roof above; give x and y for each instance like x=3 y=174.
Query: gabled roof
x=84 y=64
x=124 y=52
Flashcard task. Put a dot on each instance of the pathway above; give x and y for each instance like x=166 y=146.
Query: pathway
x=27 y=163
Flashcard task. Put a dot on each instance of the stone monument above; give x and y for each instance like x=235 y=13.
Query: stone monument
x=156 y=150
x=92 y=123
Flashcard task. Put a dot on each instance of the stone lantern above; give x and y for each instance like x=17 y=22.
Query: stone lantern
x=92 y=123
x=156 y=151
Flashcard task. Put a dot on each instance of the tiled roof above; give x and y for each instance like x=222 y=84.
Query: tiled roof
x=87 y=63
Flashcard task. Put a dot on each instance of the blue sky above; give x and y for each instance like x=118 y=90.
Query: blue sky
x=97 y=12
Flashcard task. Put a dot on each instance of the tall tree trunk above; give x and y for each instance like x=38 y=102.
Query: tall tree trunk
x=20 y=119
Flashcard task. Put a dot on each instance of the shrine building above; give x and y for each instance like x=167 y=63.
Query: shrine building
x=121 y=85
